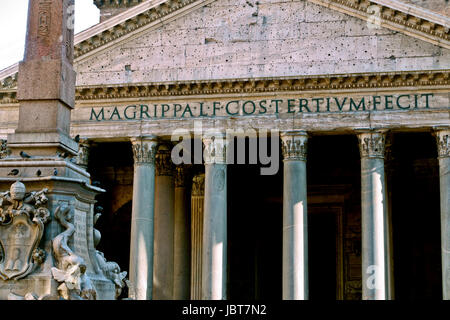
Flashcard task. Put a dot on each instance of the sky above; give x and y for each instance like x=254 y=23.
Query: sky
x=13 y=25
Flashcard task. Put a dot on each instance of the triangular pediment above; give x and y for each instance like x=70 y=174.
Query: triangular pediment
x=170 y=40
x=252 y=39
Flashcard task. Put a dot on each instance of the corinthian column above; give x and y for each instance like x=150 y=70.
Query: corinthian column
x=197 y=206
x=182 y=246
x=141 y=247
x=443 y=141
x=374 y=217
x=214 y=265
x=164 y=225
x=295 y=225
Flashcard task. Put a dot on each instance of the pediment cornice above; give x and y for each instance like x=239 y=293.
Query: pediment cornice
x=411 y=20
x=360 y=81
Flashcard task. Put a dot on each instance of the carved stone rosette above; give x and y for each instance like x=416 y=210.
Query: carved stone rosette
x=215 y=148
x=163 y=161
x=372 y=144
x=294 y=145
x=144 y=149
x=443 y=143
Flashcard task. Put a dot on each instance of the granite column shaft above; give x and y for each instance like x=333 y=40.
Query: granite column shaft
x=374 y=217
x=214 y=259
x=295 y=225
x=443 y=141
x=164 y=225
x=142 y=218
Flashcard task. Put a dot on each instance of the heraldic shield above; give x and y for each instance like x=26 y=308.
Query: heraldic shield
x=22 y=219
x=18 y=240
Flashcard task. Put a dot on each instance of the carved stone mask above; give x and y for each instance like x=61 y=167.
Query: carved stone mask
x=17 y=191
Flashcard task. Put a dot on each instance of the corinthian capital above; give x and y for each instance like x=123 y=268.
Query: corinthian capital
x=144 y=149
x=294 y=145
x=372 y=144
x=164 y=164
x=198 y=185
x=215 y=150
x=443 y=143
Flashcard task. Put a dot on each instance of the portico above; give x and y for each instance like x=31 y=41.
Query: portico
x=376 y=256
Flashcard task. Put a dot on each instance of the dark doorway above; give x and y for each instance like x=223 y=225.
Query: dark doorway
x=414 y=177
x=322 y=247
x=255 y=213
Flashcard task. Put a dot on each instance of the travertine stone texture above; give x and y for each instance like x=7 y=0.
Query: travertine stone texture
x=110 y=8
x=242 y=39
x=440 y=6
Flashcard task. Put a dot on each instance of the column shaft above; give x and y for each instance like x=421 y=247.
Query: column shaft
x=374 y=217
x=141 y=242
x=181 y=264
x=164 y=227
x=197 y=210
x=214 y=259
x=295 y=225
x=443 y=141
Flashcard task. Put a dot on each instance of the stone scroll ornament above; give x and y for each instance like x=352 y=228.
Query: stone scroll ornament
x=22 y=219
x=71 y=268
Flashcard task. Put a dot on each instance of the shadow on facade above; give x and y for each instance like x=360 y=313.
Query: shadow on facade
x=334 y=217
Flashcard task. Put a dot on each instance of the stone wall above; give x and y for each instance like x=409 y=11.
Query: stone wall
x=266 y=38
x=440 y=6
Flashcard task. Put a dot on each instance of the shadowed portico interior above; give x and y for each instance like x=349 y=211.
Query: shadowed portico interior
x=334 y=217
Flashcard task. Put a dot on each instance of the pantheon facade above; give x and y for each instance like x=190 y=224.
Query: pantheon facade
x=313 y=137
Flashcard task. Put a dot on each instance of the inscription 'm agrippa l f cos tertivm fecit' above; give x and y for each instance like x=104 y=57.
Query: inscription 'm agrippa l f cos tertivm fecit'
x=262 y=107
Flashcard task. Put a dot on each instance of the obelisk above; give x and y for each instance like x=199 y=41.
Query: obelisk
x=47 y=233
x=46 y=83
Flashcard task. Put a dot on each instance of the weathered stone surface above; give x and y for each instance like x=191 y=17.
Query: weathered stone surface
x=272 y=38
x=440 y=6
x=60 y=261
x=46 y=84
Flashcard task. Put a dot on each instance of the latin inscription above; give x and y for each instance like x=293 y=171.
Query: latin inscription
x=237 y=108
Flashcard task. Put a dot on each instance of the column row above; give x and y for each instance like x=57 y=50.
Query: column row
x=160 y=263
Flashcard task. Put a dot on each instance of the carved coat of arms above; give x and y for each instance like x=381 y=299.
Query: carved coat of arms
x=22 y=219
